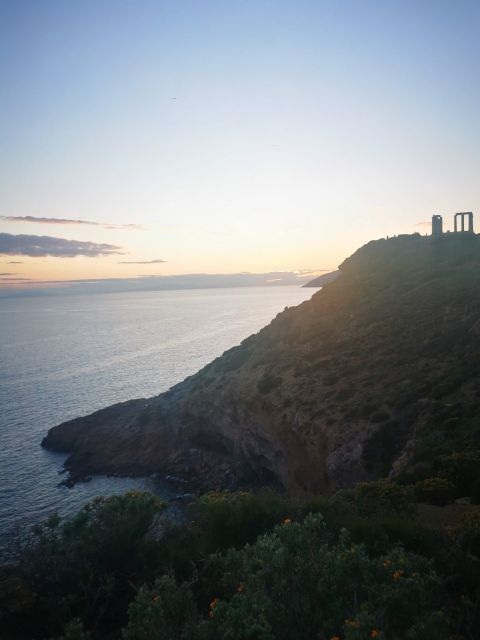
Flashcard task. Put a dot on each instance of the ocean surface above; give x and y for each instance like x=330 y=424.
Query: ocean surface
x=66 y=356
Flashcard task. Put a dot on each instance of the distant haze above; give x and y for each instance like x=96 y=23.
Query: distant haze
x=156 y=283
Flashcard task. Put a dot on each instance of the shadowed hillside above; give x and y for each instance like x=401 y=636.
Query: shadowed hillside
x=377 y=375
x=320 y=281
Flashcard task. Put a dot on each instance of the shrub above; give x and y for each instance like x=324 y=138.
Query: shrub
x=162 y=612
x=336 y=509
x=233 y=359
x=268 y=382
x=379 y=416
x=271 y=576
x=293 y=583
x=380 y=497
x=379 y=534
x=74 y=630
x=85 y=567
x=229 y=519
x=467 y=534
x=438 y=491
x=330 y=379
x=462 y=469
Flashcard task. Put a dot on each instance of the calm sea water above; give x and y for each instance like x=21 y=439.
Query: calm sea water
x=66 y=356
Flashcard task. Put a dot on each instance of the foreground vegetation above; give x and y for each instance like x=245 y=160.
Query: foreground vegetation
x=359 y=564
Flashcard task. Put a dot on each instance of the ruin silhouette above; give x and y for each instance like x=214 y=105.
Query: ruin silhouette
x=437 y=224
x=468 y=215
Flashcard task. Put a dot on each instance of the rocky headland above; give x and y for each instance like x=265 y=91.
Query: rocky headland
x=376 y=375
x=323 y=279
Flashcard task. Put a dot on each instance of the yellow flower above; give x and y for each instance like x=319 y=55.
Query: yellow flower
x=387 y=563
x=397 y=574
x=241 y=587
x=287 y=521
x=213 y=603
x=374 y=633
x=352 y=623
x=335 y=638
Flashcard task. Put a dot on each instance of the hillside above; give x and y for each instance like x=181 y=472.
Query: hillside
x=323 y=279
x=377 y=375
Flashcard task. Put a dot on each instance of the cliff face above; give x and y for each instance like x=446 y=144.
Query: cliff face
x=377 y=373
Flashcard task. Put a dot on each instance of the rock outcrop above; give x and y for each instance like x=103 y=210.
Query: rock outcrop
x=377 y=373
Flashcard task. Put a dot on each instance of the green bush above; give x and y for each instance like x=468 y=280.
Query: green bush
x=163 y=612
x=379 y=534
x=296 y=583
x=293 y=583
x=75 y=630
x=253 y=567
x=229 y=519
x=467 y=534
x=437 y=491
x=462 y=469
x=86 y=567
x=268 y=382
x=379 y=498
x=330 y=507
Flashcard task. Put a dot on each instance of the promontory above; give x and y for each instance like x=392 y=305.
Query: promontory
x=375 y=375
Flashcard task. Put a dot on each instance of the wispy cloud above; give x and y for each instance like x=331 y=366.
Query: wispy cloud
x=39 y=246
x=69 y=221
x=15 y=262
x=8 y=274
x=158 y=261
x=137 y=227
x=19 y=280
x=427 y=223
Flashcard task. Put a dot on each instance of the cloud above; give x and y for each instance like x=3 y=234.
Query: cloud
x=7 y=274
x=19 y=280
x=39 y=220
x=424 y=224
x=158 y=261
x=37 y=246
x=15 y=262
x=123 y=226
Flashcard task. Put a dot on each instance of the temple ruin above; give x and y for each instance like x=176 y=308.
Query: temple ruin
x=469 y=216
x=437 y=223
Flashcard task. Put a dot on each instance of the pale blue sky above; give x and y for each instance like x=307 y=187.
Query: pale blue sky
x=246 y=135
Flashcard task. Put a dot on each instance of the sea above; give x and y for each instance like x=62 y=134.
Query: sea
x=64 y=356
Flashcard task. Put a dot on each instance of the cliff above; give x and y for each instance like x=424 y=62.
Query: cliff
x=378 y=373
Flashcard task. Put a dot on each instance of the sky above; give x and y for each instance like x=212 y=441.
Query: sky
x=154 y=138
